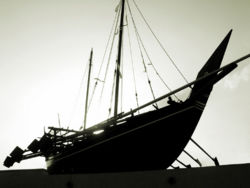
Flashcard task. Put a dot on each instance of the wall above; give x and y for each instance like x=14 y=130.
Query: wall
x=223 y=176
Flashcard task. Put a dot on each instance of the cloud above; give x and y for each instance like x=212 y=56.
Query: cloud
x=232 y=81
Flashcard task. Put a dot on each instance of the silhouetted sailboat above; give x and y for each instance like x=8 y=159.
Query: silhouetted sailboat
x=129 y=141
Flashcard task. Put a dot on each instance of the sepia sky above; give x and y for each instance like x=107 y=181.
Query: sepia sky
x=45 y=45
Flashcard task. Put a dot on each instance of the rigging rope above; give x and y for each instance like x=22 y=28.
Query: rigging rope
x=99 y=72
x=172 y=61
x=151 y=63
x=132 y=62
x=78 y=95
x=109 y=57
x=121 y=74
x=138 y=41
x=112 y=93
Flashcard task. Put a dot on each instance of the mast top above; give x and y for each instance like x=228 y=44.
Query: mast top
x=87 y=92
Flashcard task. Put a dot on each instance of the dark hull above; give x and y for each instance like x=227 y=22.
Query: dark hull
x=147 y=142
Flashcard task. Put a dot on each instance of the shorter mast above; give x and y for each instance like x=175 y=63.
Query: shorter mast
x=87 y=92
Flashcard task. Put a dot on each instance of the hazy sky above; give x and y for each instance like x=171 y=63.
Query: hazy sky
x=45 y=45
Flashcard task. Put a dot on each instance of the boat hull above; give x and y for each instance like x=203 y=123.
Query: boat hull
x=146 y=142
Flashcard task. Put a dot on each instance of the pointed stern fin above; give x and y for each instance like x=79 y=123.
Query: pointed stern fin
x=213 y=63
x=216 y=58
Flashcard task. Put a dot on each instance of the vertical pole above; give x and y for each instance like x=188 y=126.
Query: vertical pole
x=118 y=61
x=87 y=92
x=59 y=122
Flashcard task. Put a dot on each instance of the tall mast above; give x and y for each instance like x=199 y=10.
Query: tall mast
x=87 y=92
x=118 y=61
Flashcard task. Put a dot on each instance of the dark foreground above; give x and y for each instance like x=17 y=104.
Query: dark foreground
x=222 y=176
